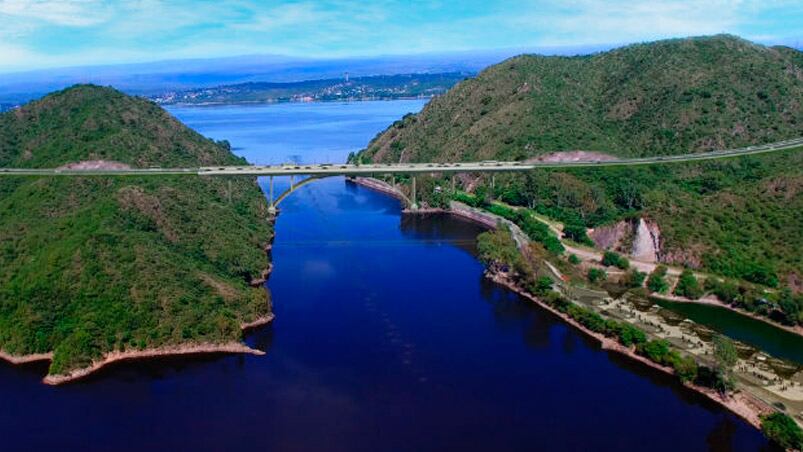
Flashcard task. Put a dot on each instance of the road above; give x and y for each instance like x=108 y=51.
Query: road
x=398 y=168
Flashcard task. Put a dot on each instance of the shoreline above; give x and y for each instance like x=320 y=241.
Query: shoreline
x=232 y=347
x=132 y=355
x=740 y=403
x=24 y=359
x=284 y=101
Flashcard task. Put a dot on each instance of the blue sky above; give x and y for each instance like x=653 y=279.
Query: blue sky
x=55 y=33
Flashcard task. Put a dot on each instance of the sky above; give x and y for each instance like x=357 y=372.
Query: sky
x=37 y=34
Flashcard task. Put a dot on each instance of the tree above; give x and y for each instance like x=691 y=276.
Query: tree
x=611 y=259
x=725 y=352
x=656 y=350
x=688 y=286
x=498 y=250
x=577 y=232
x=573 y=259
x=543 y=285
x=727 y=292
x=685 y=367
x=726 y=357
x=595 y=275
x=783 y=430
x=635 y=278
x=791 y=306
x=657 y=283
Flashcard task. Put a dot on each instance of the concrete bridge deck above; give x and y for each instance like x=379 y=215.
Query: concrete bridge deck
x=322 y=170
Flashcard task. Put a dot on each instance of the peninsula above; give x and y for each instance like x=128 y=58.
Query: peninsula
x=94 y=270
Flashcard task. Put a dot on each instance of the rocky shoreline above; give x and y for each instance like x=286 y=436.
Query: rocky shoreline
x=130 y=355
x=23 y=359
x=113 y=357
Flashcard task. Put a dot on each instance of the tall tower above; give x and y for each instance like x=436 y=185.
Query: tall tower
x=346 y=76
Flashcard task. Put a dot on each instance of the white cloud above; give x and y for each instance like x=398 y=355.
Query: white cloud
x=14 y=57
x=593 y=22
x=70 y=13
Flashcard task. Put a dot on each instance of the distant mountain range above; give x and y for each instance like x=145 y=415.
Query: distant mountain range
x=380 y=87
x=149 y=79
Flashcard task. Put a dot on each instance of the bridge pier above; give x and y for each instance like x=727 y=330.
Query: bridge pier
x=271 y=206
x=415 y=201
x=454 y=187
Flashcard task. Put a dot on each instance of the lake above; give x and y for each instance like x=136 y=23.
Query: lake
x=387 y=337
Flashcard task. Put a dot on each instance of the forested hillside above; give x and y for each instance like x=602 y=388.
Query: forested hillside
x=666 y=97
x=95 y=264
x=739 y=218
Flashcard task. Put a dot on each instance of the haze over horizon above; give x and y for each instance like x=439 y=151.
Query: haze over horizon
x=42 y=34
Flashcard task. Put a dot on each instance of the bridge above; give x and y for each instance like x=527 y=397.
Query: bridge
x=318 y=171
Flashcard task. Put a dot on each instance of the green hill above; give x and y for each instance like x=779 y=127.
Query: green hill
x=739 y=218
x=91 y=265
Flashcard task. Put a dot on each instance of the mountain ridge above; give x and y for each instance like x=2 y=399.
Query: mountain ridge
x=667 y=97
x=736 y=217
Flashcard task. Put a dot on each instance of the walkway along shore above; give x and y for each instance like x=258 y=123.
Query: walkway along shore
x=741 y=403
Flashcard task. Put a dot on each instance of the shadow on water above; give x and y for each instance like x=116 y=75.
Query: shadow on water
x=443 y=229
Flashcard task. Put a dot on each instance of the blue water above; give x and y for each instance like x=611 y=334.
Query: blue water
x=297 y=132
x=387 y=337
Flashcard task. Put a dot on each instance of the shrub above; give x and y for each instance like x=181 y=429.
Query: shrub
x=791 y=306
x=573 y=259
x=688 y=286
x=626 y=333
x=468 y=199
x=543 y=285
x=498 y=250
x=611 y=259
x=657 y=283
x=596 y=275
x=713 y=378
x=577 y=232
x=783 y=430
x=535 y=230
x=761 y=274
x=685 y=367
x=725 y=291
x=635 y=278
x=655 y=350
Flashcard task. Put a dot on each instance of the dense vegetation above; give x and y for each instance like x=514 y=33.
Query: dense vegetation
x=610 y=258
x=666 y=97
x=739 y=218
x=498 y=251
x=783 y=430
x=90 y=265
x=535 y=230
x=362 y=88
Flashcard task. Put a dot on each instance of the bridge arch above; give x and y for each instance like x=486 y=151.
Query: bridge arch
x=375 y=183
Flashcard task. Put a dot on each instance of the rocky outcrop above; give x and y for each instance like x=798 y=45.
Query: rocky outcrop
x=610 y=237
x=647 y=241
